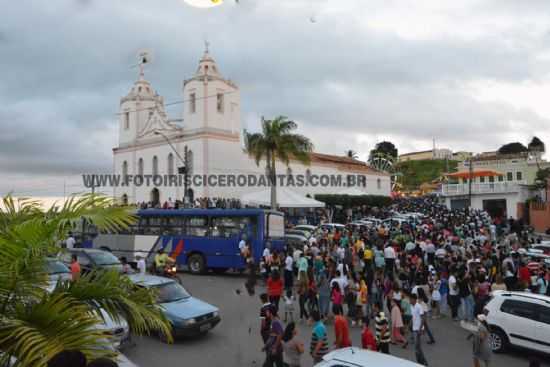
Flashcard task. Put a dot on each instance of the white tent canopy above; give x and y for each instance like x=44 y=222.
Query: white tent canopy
x=352 y=191
x=286 y=198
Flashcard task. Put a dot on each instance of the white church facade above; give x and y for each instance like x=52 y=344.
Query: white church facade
x=210 y=137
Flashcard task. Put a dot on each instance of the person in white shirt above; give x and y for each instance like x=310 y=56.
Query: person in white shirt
x=141 y=266
x=289 y=271
x=454 y=300
x=389 y=258
x=417 y=321
x=70 y=241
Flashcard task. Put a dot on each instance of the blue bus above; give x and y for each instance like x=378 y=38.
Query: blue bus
x=199 y=239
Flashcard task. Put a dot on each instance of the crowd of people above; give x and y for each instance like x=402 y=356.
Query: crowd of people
x=198 y=203
x=394 y=279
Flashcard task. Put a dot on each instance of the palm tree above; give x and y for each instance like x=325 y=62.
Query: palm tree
x=36 y=324
x=277 y=142
x=352 y=154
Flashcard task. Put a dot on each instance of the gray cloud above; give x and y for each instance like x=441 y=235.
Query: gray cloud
x=64 y=68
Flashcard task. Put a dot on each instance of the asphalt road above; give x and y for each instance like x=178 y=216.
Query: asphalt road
x=236 y=341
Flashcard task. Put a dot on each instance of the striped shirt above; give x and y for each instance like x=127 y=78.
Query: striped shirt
x=319 y=334
x=381 y=321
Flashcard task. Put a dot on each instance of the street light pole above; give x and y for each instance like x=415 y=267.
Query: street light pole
x=183 y=161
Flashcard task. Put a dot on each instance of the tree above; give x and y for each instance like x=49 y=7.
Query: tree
x=277 y=142
x=384 y=149
x=536 y=145
x=512 y=148
x=36 y=324
x=352 y=154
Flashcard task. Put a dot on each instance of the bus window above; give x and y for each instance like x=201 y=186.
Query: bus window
x=230 y=227
x=155 y=226
x=175 y=225
x=197 y=226
x=275 y=225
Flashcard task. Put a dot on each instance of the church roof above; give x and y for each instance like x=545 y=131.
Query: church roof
x=343 y=162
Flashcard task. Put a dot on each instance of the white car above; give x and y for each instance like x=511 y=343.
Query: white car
x=332 y=227
x=520 y=319
x=306 y=227
x=357 y=357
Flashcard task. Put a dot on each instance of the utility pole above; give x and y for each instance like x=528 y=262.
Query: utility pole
x=181 y=170
x=470 y=177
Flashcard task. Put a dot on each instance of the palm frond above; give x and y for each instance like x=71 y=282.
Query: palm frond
x=119 y=298
x=37 y=332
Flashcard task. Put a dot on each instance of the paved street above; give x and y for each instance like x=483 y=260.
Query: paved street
x=236 y=341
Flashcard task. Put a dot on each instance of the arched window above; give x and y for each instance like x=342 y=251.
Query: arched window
x=170 y=164
x=124 y=169
x=155 y=168
x=189 y=162
x=378 y=184
x=140 y=167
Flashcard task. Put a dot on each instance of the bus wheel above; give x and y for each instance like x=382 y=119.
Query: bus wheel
x=196 y=264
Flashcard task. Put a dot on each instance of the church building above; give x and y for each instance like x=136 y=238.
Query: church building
x=209 y=138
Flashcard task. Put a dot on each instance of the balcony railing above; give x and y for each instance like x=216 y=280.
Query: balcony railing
x=481 y=188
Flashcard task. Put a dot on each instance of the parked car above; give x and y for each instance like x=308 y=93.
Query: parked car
x=306 y=227
x=331 y=227
x=358 y=357
x=544 y=247
x=293 y=241
x=92 y=259
x=519 y=319
x=300 y=232
x=57 y=271
x=189 y=316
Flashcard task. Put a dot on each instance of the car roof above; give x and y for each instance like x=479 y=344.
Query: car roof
x=540 y=297
x=366 y=358
x=86 y=250
x=149 y=280
x=295 y=236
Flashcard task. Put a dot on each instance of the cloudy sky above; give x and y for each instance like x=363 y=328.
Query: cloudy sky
x=473 y=74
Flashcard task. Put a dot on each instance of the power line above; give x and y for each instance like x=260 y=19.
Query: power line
x=176 y=102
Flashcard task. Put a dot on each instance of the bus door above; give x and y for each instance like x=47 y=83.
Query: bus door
x=229 y=231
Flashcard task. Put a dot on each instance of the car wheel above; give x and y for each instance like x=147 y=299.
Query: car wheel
x=196 y=264
x=498 y=341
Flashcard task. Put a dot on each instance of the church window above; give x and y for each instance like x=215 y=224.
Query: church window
x=378 y=184
x=155 y=170
x=124 y=169
x=220 y=102
x=140 y=167
x=192 y=103
x=126 y=120
x=170 y=164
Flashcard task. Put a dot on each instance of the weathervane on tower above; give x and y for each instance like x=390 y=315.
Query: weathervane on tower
x=144 y=57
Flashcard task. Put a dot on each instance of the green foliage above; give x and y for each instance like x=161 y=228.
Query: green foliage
x=415 y=173
x=536 y=145
x=34 y=324
x=352 y=200
x=541 y=178
x=384 y=149
x=512 y=148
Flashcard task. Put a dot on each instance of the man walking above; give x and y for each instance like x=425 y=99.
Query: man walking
x=417 y=314
x=319 y=338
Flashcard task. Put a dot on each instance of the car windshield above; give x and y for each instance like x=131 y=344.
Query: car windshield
x=56 y=267
x=171 y=292
x=103 y=258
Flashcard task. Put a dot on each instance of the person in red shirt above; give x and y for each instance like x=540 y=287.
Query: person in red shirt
x=341 y=329
x=75 y=268
x=367 y=337
x=524 y=275
x=275 y=288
